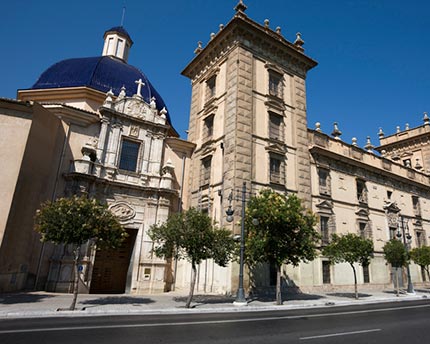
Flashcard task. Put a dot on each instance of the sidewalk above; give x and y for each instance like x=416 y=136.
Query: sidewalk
x=43 y=304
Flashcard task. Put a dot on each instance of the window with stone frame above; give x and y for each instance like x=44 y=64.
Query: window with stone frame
x=129 y=155
x=364 y=229
x=277 y=169
x=366 y=274
x=211 y=87
x=416 y=205
x=276 y=128
x=208 y=127
x=324 y=181
x=361 y=191
x=325 y=230
x=275 y=84
x=206 y=170
x=420 y=238
x=326 y=272
x=392 y=232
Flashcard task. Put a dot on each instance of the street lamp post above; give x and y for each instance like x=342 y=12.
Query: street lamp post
x=407 y=238
x=240 y=296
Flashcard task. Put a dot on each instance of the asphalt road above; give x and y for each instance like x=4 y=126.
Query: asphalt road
x=405 y=322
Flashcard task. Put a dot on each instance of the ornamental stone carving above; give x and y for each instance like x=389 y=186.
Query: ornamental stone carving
x=122 y=211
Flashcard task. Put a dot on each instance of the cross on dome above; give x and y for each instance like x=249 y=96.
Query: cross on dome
x=139 y=83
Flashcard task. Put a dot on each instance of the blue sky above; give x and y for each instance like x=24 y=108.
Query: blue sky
x=373 y=56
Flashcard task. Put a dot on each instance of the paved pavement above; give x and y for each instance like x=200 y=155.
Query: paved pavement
x=43 y=304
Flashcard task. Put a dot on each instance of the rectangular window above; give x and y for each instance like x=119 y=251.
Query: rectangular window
x=362 y=229
x=208 y=126
x=206 y=170
x=393 y=231
x=361 y=191
x=276 y=169
x=211 y=87
x=324 y=181
x=129 y=155
x=416 y=206
x=275 y=85
x=366 y=275
x=119 y=48
x=420 y=238
x=324 y=228
x=275 y=126
x=326 y=272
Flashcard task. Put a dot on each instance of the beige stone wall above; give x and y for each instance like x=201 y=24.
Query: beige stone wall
x=35 y=183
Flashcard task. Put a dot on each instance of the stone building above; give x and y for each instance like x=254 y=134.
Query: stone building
x=97 y=126
x=248 y=121
x=93 y=126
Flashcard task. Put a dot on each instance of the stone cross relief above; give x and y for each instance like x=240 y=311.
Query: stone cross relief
x=139 y=83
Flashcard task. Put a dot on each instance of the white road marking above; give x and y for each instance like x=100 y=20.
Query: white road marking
x=182 y=323
x=341 y=334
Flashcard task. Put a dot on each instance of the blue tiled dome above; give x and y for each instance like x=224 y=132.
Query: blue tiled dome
x=101 y=73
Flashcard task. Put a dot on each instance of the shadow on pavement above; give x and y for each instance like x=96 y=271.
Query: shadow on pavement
x=423 y=290
x=8 y=299
x=116 y=300
x=206 y=299
x=349 y=295
x=271 y=297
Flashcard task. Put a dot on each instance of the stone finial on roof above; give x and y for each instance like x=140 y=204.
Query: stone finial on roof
x=407 y=126
x=369 y=147
x=108 y=101
x=163 y=113
x=152 y=104
x=336 y=132
x=122 y=93
x=398 y=129
x=199 y=47
x=354 y=142
x=221 y=27
x=266 y=23
x=381 y=133
x=299 y=41
x=426 y=119
x=318 y=127
x=240 y=7
x=212 y=35
x=278 y=30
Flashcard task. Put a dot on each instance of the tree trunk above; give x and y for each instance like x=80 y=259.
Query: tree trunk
x=192 y=285
x=355 y=281
x=77 y=252
x=397 y=281
x=278 y=285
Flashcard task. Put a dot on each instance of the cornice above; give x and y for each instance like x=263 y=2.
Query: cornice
x=242 y=31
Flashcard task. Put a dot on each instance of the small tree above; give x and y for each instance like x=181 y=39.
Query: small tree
x=421 y=257
x=349 y=248
x=395 y=254
x=74 y=221
x=192 y=236
x=284 y=234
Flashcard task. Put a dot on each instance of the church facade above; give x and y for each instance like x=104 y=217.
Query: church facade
x=110 y=137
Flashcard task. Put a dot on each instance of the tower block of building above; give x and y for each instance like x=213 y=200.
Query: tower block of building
x=248 y=116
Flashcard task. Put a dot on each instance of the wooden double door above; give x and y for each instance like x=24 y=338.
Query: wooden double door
x=111 y=267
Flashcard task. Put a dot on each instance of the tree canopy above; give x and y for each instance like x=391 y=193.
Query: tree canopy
x=421 y=257
x=75 y=221
x=284 y=234
x=349 y=248
x=395 y=253
x=191 y=235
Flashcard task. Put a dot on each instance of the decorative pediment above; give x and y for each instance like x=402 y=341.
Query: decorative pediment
x=277 y=148
x=362 y=213
x=325 y=206
x=122 y=211
x=134 y=107
x=391 y=207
